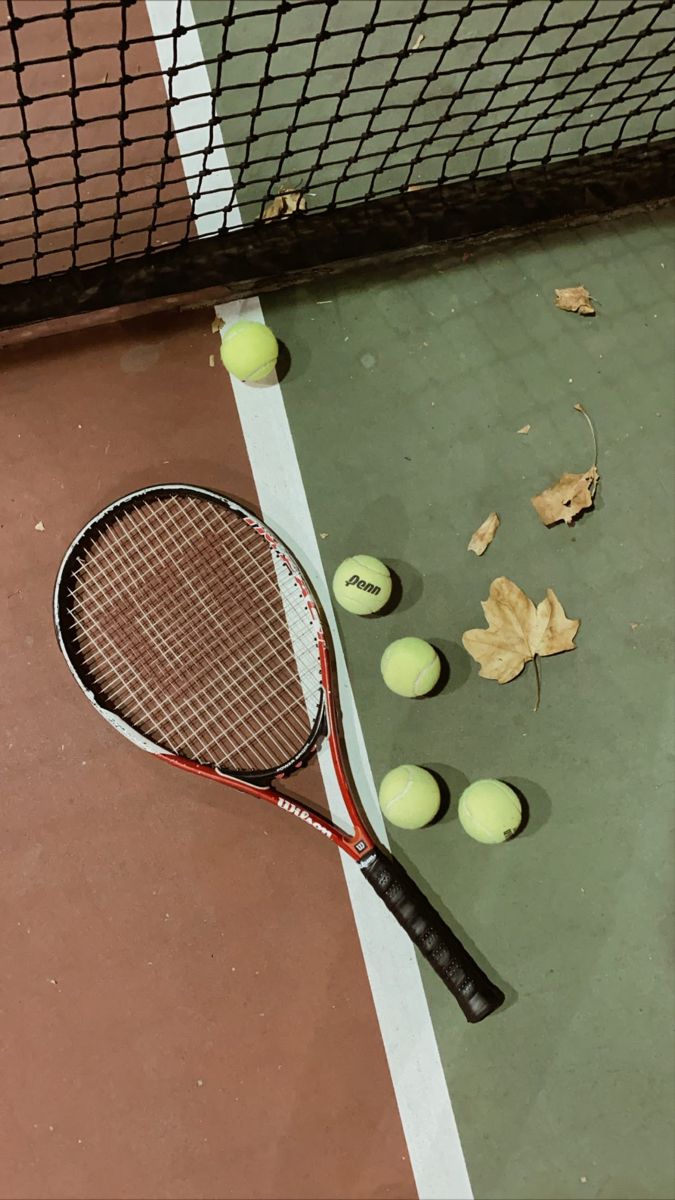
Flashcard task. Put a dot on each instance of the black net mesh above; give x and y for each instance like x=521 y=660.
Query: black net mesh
x=128 y=126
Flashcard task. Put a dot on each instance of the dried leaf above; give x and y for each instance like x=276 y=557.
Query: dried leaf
x=40 y=527
x=517 y=631
x=564 y=500
x=217 y=324
x=323 y=536
x=418 y=42
x=287 y=202
x=484 y=535
x=575 y=299
x=525 y=429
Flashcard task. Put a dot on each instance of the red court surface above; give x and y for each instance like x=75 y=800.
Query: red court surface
x=102 y=176
x=185 y=1006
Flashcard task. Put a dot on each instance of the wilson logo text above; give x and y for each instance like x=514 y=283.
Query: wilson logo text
x=303 y=815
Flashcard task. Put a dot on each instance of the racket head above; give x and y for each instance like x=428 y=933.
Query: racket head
x=193 y=631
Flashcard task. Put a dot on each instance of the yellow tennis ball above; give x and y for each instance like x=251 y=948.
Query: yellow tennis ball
x=249 y=350
x=489 y=811
x=362 y=584
x=410 y=667
x=409 y=797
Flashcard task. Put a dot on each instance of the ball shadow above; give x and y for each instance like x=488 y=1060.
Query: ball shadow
x=455 y=668
x=403 y=595
x=444 y=676
x=407 y=587
x=457 y=661
x=278 y=372
x=451 y=783
x=536 y=805
x=284 y=362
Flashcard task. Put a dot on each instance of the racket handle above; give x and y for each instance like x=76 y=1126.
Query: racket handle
x=476 y=995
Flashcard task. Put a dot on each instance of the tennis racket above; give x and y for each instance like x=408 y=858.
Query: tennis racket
x=194 y=632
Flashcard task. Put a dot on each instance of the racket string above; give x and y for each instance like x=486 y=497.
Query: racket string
x=185 y=722
x=162 y=598
x=149 y=705
x=280 y=639
x=256 y=663
x=196 y=647
x=189 y=723
x=262 y=595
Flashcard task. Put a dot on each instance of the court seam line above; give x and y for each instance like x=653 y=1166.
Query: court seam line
x=418 y=1079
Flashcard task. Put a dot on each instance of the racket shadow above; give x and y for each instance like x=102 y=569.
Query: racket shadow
x=451 y=919
x=311 y=795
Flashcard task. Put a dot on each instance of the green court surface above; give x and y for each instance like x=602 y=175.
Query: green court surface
x=406 y=390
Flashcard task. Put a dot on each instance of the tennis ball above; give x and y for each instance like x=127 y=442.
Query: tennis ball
x=410 y=667
x=249 y=350
x=489 y=811
x=409 y=797
x=362 y=584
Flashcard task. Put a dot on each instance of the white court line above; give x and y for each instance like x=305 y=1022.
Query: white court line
x=193 y=132
x=420 y=1087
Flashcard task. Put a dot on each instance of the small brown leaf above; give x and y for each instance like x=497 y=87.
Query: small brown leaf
x=564 y=500
x=525 y=429
x=575 y=299
x=287 y=202
x=517 y=631
x=484 y=535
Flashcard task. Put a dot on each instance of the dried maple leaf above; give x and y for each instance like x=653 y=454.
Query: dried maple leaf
x=288 y=201
x=575 y=299
x=484 y=535
x=566 y=498
x=518 y=632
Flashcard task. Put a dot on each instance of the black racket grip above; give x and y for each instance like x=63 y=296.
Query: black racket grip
x=476 y=995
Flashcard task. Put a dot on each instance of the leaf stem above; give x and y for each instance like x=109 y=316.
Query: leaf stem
x=580 y=408
x=537 y=671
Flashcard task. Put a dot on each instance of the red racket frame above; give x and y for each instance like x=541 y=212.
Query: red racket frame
x=476 y=995
x=356 y=845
